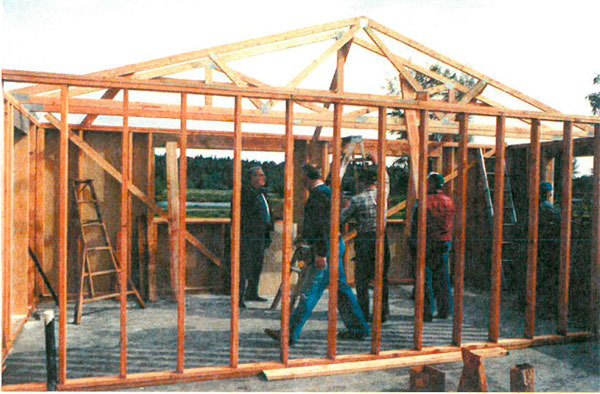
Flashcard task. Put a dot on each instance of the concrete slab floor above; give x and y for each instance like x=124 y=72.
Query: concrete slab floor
x=93 y=346
x=572 y=368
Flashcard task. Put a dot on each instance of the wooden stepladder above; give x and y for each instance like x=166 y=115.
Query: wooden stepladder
x=98 y=257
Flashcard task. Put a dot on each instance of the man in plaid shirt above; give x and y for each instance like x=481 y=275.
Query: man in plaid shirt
x=363 y=208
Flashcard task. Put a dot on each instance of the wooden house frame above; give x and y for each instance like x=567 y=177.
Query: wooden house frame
x=61 y=94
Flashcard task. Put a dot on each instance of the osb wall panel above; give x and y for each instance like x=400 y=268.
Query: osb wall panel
x=20 y=276
x=108 y=191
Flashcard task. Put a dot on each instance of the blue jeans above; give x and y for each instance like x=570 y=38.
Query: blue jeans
x=316 y=282
x=437 y=280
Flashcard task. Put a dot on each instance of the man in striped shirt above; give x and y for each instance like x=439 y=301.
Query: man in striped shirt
x=363 y=208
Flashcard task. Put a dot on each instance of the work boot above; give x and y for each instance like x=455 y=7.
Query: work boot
x=276 y=335
x=351 y=335
x=256 y=298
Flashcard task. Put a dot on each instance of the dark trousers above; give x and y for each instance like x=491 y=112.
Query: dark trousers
x=252 y=257
x=364 y=271
x=437 y=280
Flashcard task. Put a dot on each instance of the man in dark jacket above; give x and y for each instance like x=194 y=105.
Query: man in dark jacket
x=257 y=224
x=315 y=232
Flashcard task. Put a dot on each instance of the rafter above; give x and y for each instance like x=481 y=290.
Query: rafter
x=328 y=52
x=190 y=56
x=108 y=95
x=467 y=70
x=474 y=92
x=397 y=65
x=234 y=77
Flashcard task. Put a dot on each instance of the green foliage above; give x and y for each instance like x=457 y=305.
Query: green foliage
x=216 y=174
x=594 y=98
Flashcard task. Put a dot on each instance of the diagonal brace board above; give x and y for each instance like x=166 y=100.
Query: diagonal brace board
x=112 y=171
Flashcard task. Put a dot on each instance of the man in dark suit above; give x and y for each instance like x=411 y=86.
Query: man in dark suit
x=257 y=224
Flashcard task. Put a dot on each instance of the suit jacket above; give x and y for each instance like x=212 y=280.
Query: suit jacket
x=254 y=226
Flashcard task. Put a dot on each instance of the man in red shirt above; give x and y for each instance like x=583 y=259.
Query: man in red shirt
x=440 y=219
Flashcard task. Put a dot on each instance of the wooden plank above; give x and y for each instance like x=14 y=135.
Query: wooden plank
x=336 y=85
x=380 y=245
x=473 y=374
x=565 y=230
x=106 y=166
x=460 y=229
x=234 y=77
x=208 y=77
x=399 y=67
x=182 y=244
x=188 y=56
x=108 y=95
x=522 y=378
x=236 y=234
x=328 y=52
x=460 y=67
x=545 y=340
x=63 y=222
x=595 y=217
x=152 y=227
x=7 y=228
x=354 y=99
x=374 y=365
x=287 y=231
x=16 y=105
x=474 y=92
x=124 y=251
x=532 y=239
x=173 y=215
x=40 y=208
x=496 y=266
x=421 y=233
x=334 y=231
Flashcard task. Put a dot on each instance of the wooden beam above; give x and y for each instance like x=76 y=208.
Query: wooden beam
x=40 y=208
x=474 y=92
x=334 y=231
x=336 y=85
x=353 y=99
x=421 y=234
x=565 y=230
x=63 y=222
x=497 y=240
x=399 y=67
x=460 y=67
x=473 y=374
x=152 y=227
x=106 y=166
x=522 y=378
x=595 y=216
x=108 y=95
x=375 y=365
x=7 y=228
x=380 y=231
x=182 y=245
x=460 y=230
x=189 y=56
x=208 y=77
x=234 y=77
x=236 y=234
x=16 y=105
x=328 y=52
x=532 y=239
x=174 y=224
x=287 y=231
x=124 y=230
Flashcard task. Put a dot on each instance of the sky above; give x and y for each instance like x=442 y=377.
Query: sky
x=546 y=49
